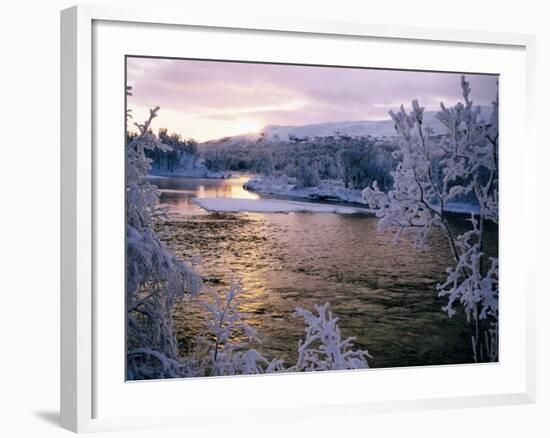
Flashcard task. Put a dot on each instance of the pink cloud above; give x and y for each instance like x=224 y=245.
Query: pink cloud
x=222 y=90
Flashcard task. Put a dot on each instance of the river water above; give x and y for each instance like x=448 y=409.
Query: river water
x=383 y=292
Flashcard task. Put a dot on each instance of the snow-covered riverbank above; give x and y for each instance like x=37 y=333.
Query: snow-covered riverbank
x=284 y=186
x=328 y=191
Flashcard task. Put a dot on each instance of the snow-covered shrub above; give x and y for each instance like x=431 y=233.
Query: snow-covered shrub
x=323 y=348
x=146 y=364
x=433 y=171
x=226 y=345
x=155 y=277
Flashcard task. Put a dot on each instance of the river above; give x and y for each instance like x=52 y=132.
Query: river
x=383 y=292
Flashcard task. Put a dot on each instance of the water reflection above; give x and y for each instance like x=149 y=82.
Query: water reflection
x=383 y=293
x=177 y=193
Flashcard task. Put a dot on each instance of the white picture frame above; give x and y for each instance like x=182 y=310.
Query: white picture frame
x=84 y=349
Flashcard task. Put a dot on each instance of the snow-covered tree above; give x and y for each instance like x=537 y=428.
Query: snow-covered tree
x=155 y=277
x=180 y=154
x=433 y=171
x=354 y=161
x=307 y=174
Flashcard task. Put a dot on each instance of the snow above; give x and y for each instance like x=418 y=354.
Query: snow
x=330 y=190
x=360 y=128
x=462 y=207
x=374 y=128
x=235 y=205
x=324 y=348
x=283 y=186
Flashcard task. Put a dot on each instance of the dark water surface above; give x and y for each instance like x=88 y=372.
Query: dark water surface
x=383 y=293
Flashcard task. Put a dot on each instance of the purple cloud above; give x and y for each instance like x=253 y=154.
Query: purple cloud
x=203 y=93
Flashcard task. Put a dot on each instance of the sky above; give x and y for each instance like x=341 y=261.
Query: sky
x=207 y=100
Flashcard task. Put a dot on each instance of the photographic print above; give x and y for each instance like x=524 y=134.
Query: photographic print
x=290 y=218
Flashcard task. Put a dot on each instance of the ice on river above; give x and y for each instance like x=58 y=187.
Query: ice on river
x=234 y=205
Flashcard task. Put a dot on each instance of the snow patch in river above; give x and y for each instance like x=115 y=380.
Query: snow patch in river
x=235 y=205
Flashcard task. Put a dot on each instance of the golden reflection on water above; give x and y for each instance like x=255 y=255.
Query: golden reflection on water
x=178 y=193
x=383 y=293
x=231 y=188
x=254 y=295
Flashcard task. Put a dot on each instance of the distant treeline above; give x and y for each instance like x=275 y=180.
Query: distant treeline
x=356 y=161
x=182 y=153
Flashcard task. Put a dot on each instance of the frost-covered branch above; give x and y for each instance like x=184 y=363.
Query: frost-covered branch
x=155 y=277
x=226 y=344
x=226 y=347
x=324 y=348
x=433 y=171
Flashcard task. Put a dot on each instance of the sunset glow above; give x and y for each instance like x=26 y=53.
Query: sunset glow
x=208 y=100
x=248 y=126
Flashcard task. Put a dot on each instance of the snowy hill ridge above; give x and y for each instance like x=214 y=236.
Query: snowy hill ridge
x=362 y=128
